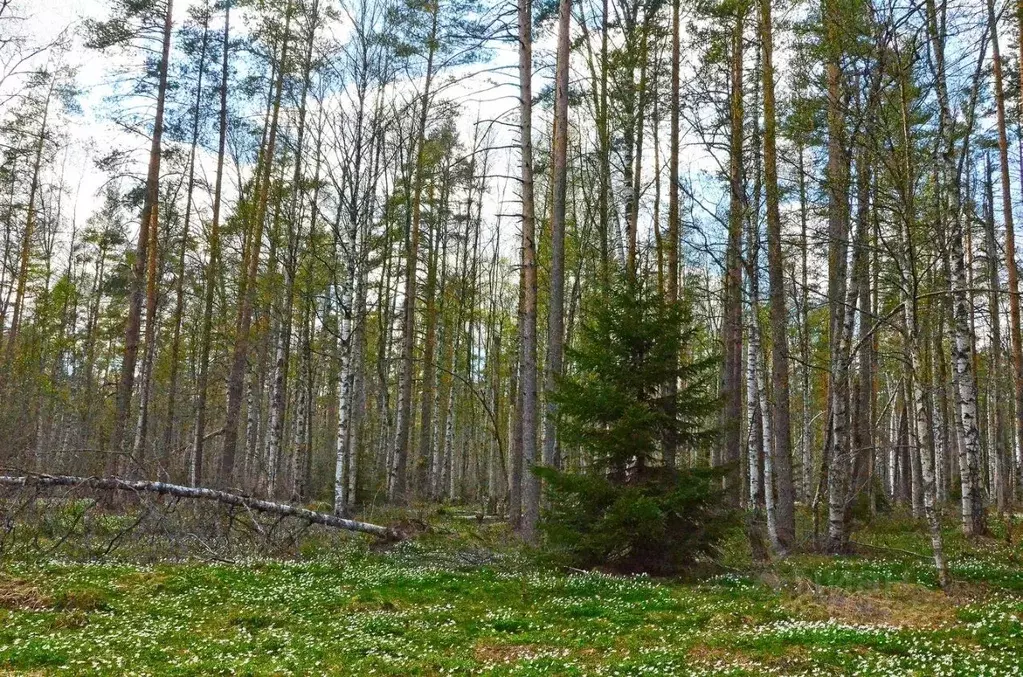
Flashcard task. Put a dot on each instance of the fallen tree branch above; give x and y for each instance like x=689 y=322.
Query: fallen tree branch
x=887 y=548
x=202 y=493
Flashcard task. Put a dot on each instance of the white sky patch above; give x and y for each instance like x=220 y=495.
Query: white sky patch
x=486 y=91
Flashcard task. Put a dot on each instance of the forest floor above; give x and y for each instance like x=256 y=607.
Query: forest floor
x=430 y=608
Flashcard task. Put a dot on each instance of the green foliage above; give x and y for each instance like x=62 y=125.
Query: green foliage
x=612 y=403
x=625 y=510
x=658 y=524
x=129 y=20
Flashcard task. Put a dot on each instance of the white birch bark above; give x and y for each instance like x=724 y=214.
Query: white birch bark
x=918 y=437
x=250 y=461
x=768 y=480
x=753 y=447
x=344 y=383
x=357 y=394
x=275 y=427
x=449 y=447
x=969 y=454
x=299 y=447
x=841 y=456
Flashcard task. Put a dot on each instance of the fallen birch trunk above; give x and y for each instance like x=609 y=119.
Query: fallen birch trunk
x=201 y=493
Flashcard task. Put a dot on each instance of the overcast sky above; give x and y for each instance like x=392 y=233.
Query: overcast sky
x=92 y=134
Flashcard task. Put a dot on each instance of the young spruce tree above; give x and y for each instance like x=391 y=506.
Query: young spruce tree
x=626 y=509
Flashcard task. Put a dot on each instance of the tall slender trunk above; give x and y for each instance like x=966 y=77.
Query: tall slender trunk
x=8 y=230
x=755 y=408
x=781 y=445
x=152 y=300
x=26 y=241
x=397 y=477
x=429 y=369
x=913 y=347
x=920 y=446
x=90 y=338
x=279 y=385
x=384 y=332
x=669 y=442
x=732 y=366
x=514 y=428
x=556 y=317
x=358 y=404
x=962 y=345
x=1010 y=237
x=179 y=282
x=445 y=470
x=859 y=294
x=301 y=437
x=766 y=434
x=756 y=398
x=639 y=99
x=126 y=384
x=1001 y=460
x=250 y=269
x=805 y=443
x=195 y=468
x=450 y=332
x=525 y=487
x=344 y=250
x=604 y=133
x=838 y=227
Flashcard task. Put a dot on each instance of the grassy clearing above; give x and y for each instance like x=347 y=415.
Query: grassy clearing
x=430 y=608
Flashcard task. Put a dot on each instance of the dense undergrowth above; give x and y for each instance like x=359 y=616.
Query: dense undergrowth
x=463 y=599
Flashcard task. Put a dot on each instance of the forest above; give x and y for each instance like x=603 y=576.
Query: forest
x=567 y=337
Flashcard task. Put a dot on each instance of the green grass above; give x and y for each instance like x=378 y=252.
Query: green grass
x=433 y=608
